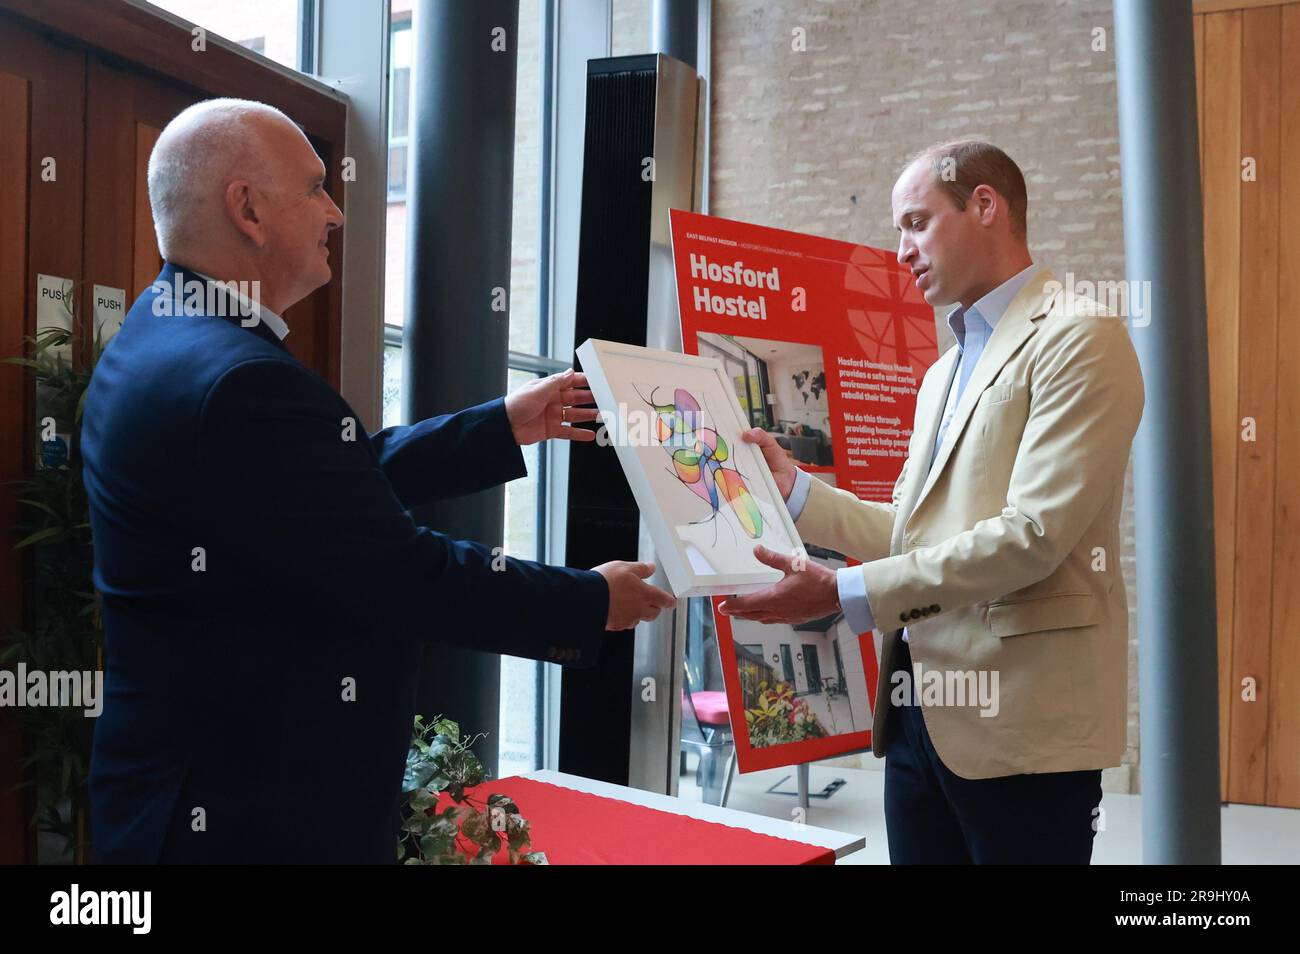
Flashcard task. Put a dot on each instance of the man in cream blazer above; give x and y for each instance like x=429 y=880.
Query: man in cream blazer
x=996 y=564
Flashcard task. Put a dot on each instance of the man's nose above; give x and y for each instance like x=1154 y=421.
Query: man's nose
x=906 y=251
x=336 y=215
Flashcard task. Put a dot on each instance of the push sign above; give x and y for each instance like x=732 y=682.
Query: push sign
x=110 y=310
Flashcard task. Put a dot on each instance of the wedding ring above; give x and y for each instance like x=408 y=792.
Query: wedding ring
x=564 y=414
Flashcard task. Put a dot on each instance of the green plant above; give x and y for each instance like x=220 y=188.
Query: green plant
x=65 y=634
x=472 y=830
x=780 y=717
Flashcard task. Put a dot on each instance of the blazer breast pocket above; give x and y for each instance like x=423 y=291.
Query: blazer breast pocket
x=996 y=394
x=1000 y=416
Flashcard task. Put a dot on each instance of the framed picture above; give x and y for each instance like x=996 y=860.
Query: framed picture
x=707 y=497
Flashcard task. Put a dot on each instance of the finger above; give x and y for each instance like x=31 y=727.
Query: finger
x=580 y=415
x=557 y=382
x=663 y=597
x=643 y=570
x=577 y=396
x=778 y=561
x=579 y=434
x=755 y=435
x=737 y=606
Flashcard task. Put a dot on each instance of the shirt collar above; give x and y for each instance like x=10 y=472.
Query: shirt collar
x=264 y=314
x=991 y=307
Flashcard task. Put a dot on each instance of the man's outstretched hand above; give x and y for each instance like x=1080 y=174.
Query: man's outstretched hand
x=631 y=599
x=809 y=591
x=547 y=407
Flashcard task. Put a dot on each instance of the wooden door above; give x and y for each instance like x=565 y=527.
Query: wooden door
x=1248 y=94
x=42 y=89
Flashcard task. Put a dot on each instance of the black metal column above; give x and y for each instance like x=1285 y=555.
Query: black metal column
x=460 y=181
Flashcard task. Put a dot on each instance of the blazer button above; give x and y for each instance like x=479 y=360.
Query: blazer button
x=902 y=617
x=934 y=608
x=916 y=614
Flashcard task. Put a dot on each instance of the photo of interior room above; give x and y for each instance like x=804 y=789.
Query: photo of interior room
x=782 y=387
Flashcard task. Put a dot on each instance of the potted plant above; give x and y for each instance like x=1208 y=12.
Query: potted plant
x=462 y=828
x=65 y=633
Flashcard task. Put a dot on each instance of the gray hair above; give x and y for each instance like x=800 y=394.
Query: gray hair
x=196 y=156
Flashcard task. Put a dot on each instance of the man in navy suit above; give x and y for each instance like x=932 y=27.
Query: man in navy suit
x=265 y=593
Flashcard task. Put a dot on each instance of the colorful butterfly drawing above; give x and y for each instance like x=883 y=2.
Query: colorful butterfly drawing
x=699 y=455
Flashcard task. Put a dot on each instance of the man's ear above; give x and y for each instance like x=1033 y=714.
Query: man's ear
x=241 y=201
x=987 y=203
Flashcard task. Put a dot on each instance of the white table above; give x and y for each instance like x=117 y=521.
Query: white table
x=839 y=842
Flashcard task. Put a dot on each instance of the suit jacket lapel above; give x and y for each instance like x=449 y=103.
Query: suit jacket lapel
x=928 y=419
x=1013 y=329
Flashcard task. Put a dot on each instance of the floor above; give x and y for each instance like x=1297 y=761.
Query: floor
x=1252 y=834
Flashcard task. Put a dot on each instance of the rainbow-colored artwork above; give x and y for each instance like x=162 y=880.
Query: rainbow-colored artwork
x=699 y=455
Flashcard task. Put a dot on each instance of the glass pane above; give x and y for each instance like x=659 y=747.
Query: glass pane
x=518 y=750
x=707 y=741
x=392 y=395
x=269 y=27
x=400 y=42
x=525 y=228
x=630 y=28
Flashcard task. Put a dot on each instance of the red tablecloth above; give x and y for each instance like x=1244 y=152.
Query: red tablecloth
x=578 y=828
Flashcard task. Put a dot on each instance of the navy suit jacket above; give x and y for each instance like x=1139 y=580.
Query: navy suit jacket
x=253 y=565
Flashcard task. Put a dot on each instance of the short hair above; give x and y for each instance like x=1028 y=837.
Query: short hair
x=188 y=168
x=964 y=164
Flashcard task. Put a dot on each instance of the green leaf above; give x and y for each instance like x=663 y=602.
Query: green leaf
x=503 y=802
x=38 y=536
x=40 y=506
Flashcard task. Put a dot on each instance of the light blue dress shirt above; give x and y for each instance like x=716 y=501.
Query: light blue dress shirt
x=972 y=327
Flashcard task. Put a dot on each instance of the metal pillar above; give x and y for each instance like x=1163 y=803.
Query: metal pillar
x=1178 y=655
x=674 y=29
x=460 y=182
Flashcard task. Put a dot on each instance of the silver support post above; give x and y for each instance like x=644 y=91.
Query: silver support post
x=1178 y=655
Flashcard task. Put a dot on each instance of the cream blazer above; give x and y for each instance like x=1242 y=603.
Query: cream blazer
x=1005 y=556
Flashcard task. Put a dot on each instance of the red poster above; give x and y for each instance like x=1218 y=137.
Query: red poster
x=827 y=343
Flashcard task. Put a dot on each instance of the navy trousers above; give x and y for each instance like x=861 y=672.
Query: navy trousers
x=935 y=817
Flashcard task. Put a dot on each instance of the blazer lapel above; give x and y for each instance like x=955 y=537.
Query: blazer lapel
x=1013 y=329
x=928 y=419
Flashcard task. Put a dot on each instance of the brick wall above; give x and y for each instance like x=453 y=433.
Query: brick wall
x=812 y=140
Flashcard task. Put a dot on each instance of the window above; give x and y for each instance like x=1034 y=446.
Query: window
x=520 y=745
x=399 y=103
x=272 y=28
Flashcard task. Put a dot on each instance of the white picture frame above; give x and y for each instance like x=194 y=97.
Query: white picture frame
x=704 y=523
